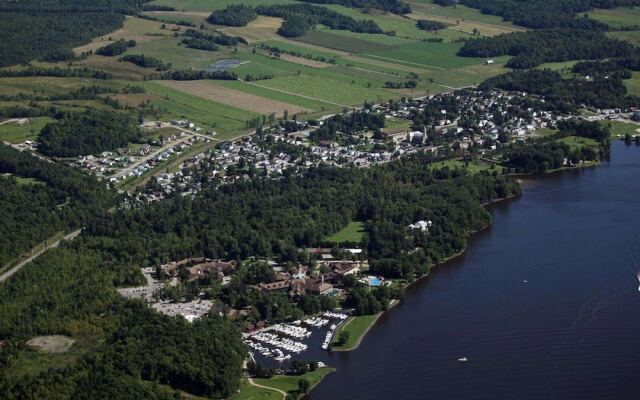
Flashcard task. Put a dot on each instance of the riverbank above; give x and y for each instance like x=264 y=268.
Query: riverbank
x=279 y=386
x=359 y=326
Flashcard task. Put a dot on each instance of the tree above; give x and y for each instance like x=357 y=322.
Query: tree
x=303 y=385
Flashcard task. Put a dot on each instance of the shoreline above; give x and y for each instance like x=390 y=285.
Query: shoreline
x=395 y=302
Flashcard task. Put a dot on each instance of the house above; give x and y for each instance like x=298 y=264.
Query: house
x=278 y=286
x=421 y=225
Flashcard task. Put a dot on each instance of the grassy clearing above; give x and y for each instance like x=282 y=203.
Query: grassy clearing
x=576 y=143
x=177 y=104
x=617 y=17
x=353 y=232
x=140 y=30
x=357 y=327
x=632 y=37
x=633 y=84
x=32 y=362
x=559 y=66
x=15 y=133
x=261 y=29
x=289 y=383
x=46 y=86
x=619 y=128
x=474 y=166
x=397 y=125
x=180 y=57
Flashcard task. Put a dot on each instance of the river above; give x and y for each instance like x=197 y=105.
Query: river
x=544 y=304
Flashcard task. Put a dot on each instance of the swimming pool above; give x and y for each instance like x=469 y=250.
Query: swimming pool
x=373 y=281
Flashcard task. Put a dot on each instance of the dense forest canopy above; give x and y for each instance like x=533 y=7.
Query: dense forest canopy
x=530 y=49
x=394 y=6
x=90 y=132
x=57 y=197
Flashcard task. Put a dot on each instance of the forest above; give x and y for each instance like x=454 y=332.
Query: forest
x=427 y=25
x=233 y=15
x=58 y=197
x=530 y=49
x=89 y=132
x=539 y=14
x=565 y=94
x=347 y=125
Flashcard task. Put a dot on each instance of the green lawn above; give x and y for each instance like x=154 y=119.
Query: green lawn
x=226 y=120
x=619 y=128
x=576 y=142
x=334 y=40
x=289 y=383
x=357 y=327
x=351 y=233
x=473 y=166
x=14 y=133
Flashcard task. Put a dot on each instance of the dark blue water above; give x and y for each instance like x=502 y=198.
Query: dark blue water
x=571 y=332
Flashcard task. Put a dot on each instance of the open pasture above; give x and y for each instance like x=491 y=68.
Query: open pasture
x=234 y=98
x=138 y=29
x=17 y=133
x=210 y=5
x=633 y=84
x=426 y=55
x=260 y=29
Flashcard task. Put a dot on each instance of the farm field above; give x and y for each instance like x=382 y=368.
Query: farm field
x=337 y=93
x=334 y=40
x=14 y=133
x=428 y=55
x=234 y=98
x=254 y=89
x=263 y=28
x=226 y=120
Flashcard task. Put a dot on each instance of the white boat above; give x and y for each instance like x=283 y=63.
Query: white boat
x=463 y=359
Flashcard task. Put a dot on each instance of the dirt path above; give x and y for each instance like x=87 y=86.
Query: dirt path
x=282 y=392
x=15 y=269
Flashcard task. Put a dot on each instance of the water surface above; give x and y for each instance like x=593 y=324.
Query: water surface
x=571 y=331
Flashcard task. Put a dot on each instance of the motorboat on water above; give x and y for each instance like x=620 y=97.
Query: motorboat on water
x=463 y=359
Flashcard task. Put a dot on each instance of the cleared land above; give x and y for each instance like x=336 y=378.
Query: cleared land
x=138 y=29
x=633 y=84
x=209 y=5
x=632 y=37
x=17 y=133
x=304 y=61
x=260 y=29
x=51 y=344
x=350 y=233
x=234 y=98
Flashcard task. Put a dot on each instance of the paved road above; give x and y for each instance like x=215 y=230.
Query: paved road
x=15 y=269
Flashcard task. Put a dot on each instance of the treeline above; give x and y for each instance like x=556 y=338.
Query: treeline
x=206 y=41
x=539 y=14
x=50 y=36
x=617 y=68
x=298 y=18
x=565 y=94
x=59 y=198
x=530 y=49
x=347 y=124
x=427 y=25
x=116 y=48
x=393 y=6
x=277 y=51
x=57 y=72
x=192 y=75
x=301 y=18
x=92 y=92
x=146 y=62
x=233 y=15
x=90 y=132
